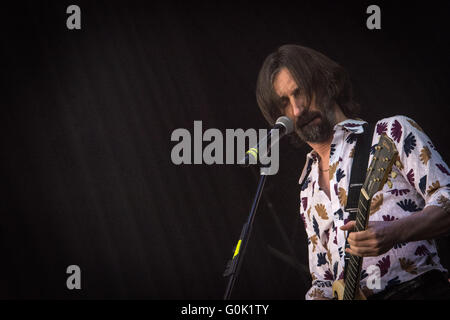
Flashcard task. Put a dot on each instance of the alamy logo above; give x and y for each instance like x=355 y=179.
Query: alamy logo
x=374 y=279
x=189 y=150
x=374 y=20
x=74 y=20
x=74 y=280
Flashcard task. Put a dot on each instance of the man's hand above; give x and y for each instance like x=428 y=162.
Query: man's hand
x=378 y=238
x=381 y=236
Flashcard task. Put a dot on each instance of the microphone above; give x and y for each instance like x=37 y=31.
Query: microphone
x=283 y=125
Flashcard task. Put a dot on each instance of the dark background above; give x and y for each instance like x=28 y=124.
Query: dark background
x=87 y=117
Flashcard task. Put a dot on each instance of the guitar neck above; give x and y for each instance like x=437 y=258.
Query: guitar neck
x=377 y=175
x=353 y=272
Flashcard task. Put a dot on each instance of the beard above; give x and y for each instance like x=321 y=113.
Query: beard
x=316 y=126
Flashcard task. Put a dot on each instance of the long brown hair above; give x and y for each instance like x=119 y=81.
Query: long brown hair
x=313 y=72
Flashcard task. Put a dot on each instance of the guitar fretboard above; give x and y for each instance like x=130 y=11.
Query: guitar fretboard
x=353 y=273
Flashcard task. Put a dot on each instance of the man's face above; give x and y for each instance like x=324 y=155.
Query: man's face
x=313 y=123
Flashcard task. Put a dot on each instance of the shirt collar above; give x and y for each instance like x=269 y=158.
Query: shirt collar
x=350 y=125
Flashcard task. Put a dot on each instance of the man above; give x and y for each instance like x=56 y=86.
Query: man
x=412 y=208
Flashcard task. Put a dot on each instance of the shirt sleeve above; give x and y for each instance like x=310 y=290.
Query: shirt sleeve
x=319 y=257
x=419 y=161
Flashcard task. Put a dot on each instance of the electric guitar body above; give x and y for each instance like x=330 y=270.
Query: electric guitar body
x=377 y=175
x=339 y=289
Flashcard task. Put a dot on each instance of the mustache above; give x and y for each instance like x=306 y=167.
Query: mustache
x=306 y=118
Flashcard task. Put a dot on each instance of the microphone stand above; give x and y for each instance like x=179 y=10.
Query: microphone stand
x=234 y=265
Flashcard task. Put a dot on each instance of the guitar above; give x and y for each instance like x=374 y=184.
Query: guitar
x=377 y=175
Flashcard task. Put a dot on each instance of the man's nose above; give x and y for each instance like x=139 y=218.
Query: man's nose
x=296 y=107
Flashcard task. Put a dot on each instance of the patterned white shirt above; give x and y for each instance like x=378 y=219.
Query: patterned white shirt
x=421 y=179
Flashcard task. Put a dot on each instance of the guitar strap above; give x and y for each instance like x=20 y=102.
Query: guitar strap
x=359 y=168
x=358 y=173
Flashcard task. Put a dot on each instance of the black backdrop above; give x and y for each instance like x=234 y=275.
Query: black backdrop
x=87 y=117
